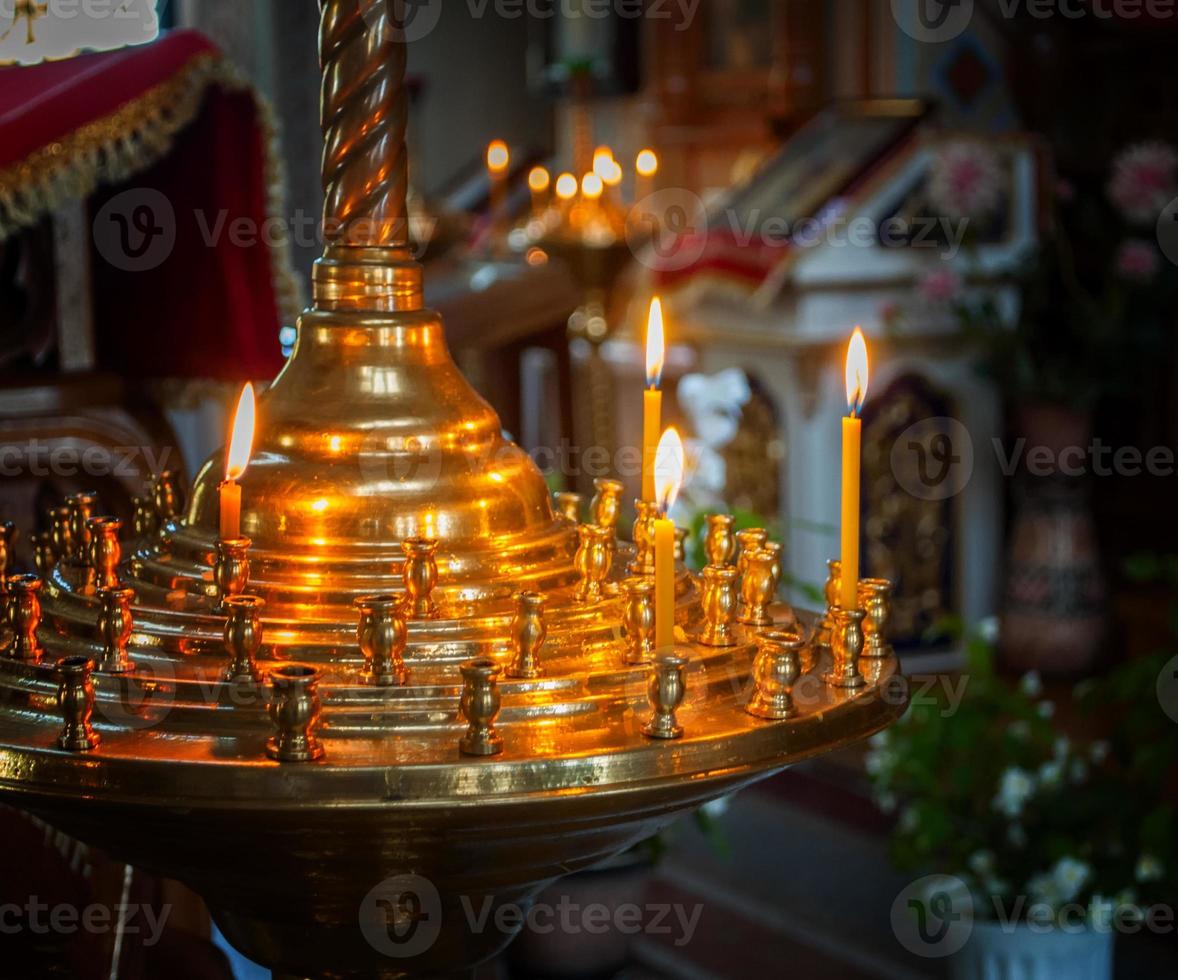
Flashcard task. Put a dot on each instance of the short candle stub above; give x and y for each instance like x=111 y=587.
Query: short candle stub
x=295 y=711
x=875 y=598
x=666 y=691
x=480 y=706
x=420 y=576
x=382 y=635
x=638 y=621
x=75 y=698
x=115 y=626
x=607 y=502
x=776 y=671
x=231 y=571
x=846 y=647
x=528 y=633
x=243 y=639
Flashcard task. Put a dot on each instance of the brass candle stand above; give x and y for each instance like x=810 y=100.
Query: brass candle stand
x=378 y=472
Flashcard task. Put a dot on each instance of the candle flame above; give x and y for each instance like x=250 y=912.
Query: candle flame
x=647 y=163
x=669 y=463
x=603 y=158
x=656 y=348
x=566 y=187
x=857 y=372
x=592 y=186
x=539 y=179
x=241 y=439
x=498 y=157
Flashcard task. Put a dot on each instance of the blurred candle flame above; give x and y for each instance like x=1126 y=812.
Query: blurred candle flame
x=669 y=464
x=498 y=157
x=241 y=440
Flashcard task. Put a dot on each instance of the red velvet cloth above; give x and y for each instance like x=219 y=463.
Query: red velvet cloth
x=206 y=306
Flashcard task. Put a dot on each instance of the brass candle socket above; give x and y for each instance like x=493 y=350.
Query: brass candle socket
x=60 y=536
x=681 y=534
x=43 y=556
x=7 y=541
x=719 y=606
x=875 y=598
x=830 y=591
x=24 y=613
x=231 y=571
x=106 y=551
x=243 y=639
x=167 y=497
x=568 y=504
x=480 y=706
x=528 y=632
x=758 y=587
x=643 y=563
x=747 y=541
x=846 y=646
x=776 y=670
x=75 y=698
x=420 y=575
x=638 y=620
x=666 y=691
x=593 y=560
x=720 y=543
x=382 y=635
x=115 y=625
x=145 y=520
x=607 y=502
x=81 y=507
x=295 y=710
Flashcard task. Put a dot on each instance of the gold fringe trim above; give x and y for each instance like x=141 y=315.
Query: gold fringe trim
x=132 y=139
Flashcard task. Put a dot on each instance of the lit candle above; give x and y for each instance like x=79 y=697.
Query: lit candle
x=237 y=458
x=566 y=190
x=646 y=166
x=539 y=181
x=652 y=397
x=669 y=464
x=857 y=374
x=498 y=160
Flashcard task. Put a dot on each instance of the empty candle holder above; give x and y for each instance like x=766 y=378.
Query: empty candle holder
x=681 y=534
x=231 y=571
x=528 y=633
x=75 y=699
x=749 y=540
x=875 y=598
x=480 y=706
x=593 y=560
x=145 y=519
x=60 y=537
x=166 y=497
x=830 y=591
x=607 y=502
x=106 y=551
x=24 y=614
x=295 y=711
x=638 y=620
x=719 y=606
x=243 y=639
x=719 y=542
x=846 y=647
x=420 y=576
x=758 y=588
x=643 y=563
x=776 y=670
x=115 y=625
x=382 y=635
x=81 y=507
x=568 y=504
x=666 y=690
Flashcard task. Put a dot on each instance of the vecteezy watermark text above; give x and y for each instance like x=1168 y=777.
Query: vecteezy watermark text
x=42 y=919
x=40 y=459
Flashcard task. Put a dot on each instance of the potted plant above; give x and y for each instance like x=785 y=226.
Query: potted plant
x=1046 y=844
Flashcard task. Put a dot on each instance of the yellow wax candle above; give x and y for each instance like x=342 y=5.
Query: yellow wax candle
x=498 y=160
x=237 y=457
x=856 y=377
x=668 y=468
x=652 y=401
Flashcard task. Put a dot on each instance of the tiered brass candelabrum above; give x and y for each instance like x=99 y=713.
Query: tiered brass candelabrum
x=410 y=664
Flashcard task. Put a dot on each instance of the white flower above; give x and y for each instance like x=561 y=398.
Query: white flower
x=1031 y=685
x=1062 y=747
x=886 y=802
x=1149 y=868
x=966 y=180
x=981 y=863
x=713 y=404
x=1044 y=888
x=989 y=629
x=1070 y=878
x=1098 y=752
x=707 y=472
x=1016 y=788
x=877 y=761
x=1051 y=774
x=1046 y=709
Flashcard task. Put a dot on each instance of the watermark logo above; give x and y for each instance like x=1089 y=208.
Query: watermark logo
x=1167 y=231
x=1168 y=689
x=410 y=20
x=135 y=231
x=933 y=917
x=402 y=916
x=933 y=21
x=933 y=459
x=669 y=230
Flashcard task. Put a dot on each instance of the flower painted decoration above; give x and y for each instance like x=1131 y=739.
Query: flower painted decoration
x=1138 y=261
x=1144 y=181
x=967 y=181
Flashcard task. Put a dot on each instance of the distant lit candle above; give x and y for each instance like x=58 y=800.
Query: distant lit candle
x=652 y=397
x=592 y=187
x=237 y=458
x=669 y=465
x=539 y=181
x=498 y=160
x=566 y=190
x=646 y=167
x=857 y=375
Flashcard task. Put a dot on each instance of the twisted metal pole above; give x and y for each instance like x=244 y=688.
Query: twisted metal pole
x=364 y=113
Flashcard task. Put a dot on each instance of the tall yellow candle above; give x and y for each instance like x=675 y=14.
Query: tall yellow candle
x=237 y=457
x=856 y=376
x=652 y=400
x=669 y=464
